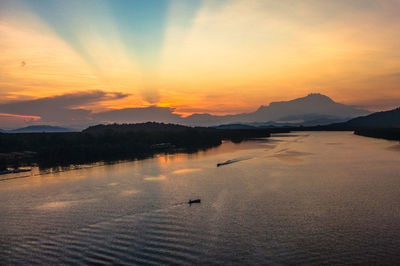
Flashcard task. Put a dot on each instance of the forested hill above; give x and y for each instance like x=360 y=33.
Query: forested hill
x=386 y=119
x=112 y=142
x=144 y=127
x=385 y=125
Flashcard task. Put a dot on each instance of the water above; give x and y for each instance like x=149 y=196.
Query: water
x=300 y=198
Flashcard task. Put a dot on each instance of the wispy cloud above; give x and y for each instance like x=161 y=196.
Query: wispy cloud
x=67 y=108
x=69 y=100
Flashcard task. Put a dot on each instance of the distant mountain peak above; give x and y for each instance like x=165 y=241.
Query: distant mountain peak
x=314 y=99
x=317 y=94
x=319 y=97
x=40 y=128
x=310 y=99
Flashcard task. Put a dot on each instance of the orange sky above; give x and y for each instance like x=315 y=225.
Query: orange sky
x=223 y=58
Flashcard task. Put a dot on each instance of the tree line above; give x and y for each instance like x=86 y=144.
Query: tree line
x=112 y=142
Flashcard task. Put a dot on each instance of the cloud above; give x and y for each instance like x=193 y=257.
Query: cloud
x=76 y=109
x=63 y=109
x=11 y=121
x=69 y=100
x=381 y=104
x=138 y=115
x=281 y=49
x=383 y=92
x=151 y=95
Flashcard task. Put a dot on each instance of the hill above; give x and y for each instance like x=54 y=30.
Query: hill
x=385 y=125
x=40 y=129
x=235 y=126
x=112 y=142
x=139 y=127
x=385 y=119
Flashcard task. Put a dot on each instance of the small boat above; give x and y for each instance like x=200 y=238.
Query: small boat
x=226 y=162
x=194 y=201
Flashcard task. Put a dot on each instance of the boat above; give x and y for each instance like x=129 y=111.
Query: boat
x=194 y=201
x=226 y=162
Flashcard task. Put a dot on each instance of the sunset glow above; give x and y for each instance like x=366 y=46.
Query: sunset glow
x=199 y=132
x=219 y=57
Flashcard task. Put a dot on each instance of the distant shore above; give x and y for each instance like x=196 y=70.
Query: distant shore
x=112 y=143
x=373 y=132
x=108 y=143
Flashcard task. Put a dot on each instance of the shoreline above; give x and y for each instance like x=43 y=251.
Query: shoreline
x=111 y=143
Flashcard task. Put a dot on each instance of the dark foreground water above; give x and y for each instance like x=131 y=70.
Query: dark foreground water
x=300 y=198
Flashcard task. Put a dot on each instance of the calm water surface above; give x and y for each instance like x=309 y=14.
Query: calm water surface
x=299 y=198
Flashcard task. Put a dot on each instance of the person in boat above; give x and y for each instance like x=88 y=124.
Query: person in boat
x=194 y=201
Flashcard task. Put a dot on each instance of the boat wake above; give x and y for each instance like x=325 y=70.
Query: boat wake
x=233 y=161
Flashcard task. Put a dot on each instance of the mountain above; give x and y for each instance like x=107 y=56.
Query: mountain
x=40 y=129
x=313 y=109
x=385 y=119
x=235 y=126
x=312 y=104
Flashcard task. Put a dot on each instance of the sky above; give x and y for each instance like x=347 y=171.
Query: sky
x=192 y=56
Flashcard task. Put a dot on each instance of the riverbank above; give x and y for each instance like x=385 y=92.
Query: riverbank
x=111 y=143
x=381 y=133
x=373 y=132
